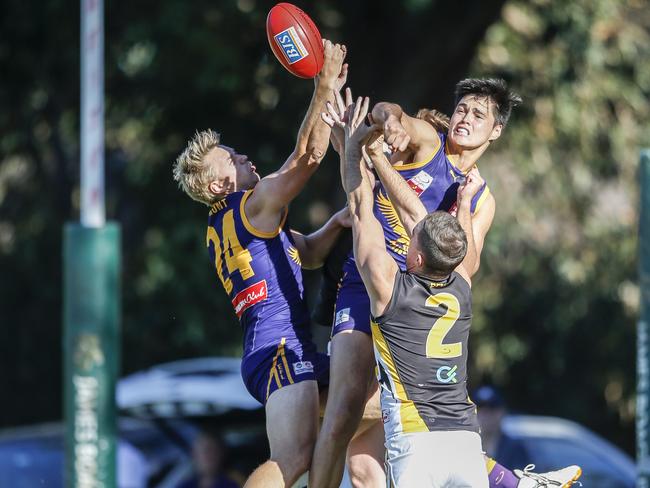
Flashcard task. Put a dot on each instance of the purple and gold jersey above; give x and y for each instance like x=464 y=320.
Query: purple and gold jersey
x=436 y=181
x=261 y=273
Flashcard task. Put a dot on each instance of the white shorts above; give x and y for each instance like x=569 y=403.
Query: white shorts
x=439 y=459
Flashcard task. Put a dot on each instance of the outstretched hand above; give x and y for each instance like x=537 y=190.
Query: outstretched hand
x=333 y=73
x=336 y=118
x=357 y=128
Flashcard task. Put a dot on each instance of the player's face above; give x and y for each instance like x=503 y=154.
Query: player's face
x=473 y=124
x=246 y=176
x=234 y=171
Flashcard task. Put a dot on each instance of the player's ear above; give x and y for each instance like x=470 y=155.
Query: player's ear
x=496 y=132
x=218 y=187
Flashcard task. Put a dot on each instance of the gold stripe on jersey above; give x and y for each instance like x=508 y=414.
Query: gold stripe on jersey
x=286 y=364
x=273 y=373
x=482 y=198
x=419 y=164
x=409 y=415
x=249 y=227
x=401 y=244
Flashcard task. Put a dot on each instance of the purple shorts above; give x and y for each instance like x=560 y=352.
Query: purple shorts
x=278 y=365
x=352 y=306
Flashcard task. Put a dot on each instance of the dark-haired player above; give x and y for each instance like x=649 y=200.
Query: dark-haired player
x=434 y=162
x=434 y=156
x=420 y=326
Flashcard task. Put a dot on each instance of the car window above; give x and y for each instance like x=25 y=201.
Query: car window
x=549 y=454
x=26 y=464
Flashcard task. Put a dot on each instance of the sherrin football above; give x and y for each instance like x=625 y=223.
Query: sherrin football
x=295 y=40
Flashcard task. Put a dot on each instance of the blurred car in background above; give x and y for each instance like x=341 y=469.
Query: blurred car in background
x=163 y=408
x=551 y=443
x=33 y=456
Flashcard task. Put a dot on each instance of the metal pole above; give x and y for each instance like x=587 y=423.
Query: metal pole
x=91 y=297
x=92 y=113
x=643 y=331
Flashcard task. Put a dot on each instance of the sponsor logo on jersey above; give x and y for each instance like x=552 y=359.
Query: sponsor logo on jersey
x=385 y=417
x=291 y=45
x=342 y=315
x=446 y=374
x=302 y=367
x=249 y=297
x=420 y=182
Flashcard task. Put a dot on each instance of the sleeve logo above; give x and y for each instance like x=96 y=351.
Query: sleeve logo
x=291 y=45
x=249 y=297
x=420 y=182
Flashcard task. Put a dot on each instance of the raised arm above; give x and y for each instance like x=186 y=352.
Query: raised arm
x=476 y=226
x=315 y=247
x=275 y=191
x=402 y=131
x=408 y=206
x=376 y=266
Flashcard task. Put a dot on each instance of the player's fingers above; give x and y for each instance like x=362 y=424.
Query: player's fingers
x=327 y=119
x=343 y=75
x=333 y=113
x=339 y=104
x=348 y=97
x=364 y=108
x=404 y=143
x=357 y=109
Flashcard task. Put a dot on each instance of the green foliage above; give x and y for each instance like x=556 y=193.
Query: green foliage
x=556 y=298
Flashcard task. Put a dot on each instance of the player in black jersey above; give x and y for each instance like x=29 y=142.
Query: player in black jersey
x=420 y=329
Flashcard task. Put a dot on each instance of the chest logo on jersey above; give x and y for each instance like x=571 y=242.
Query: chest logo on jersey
x=445 y=374
x=420 y=182
x=249 y=297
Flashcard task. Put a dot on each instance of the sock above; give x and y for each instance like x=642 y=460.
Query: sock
x=499 y=476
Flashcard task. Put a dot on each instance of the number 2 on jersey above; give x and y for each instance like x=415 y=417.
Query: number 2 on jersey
x=237 y=258
x=435 y=348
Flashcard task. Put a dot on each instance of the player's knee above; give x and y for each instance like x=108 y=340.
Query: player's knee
x=295 y=464
x=365 y=472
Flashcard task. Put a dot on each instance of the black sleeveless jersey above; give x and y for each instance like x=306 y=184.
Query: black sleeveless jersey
x=421 y=350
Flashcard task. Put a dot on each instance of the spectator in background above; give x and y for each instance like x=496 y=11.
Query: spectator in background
x=491 y=409
x=208 y=454
x=497 y=444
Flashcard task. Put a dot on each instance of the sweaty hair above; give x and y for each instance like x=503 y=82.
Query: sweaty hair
x=496 y=90
x=190 y=169
x=438 y=120
x=443 y=243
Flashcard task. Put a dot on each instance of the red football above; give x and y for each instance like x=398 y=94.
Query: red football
x=295 y=40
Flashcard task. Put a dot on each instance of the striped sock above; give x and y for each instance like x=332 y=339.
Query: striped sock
x=499 y=476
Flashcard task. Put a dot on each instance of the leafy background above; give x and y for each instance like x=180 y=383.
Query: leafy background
x=557 y=297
